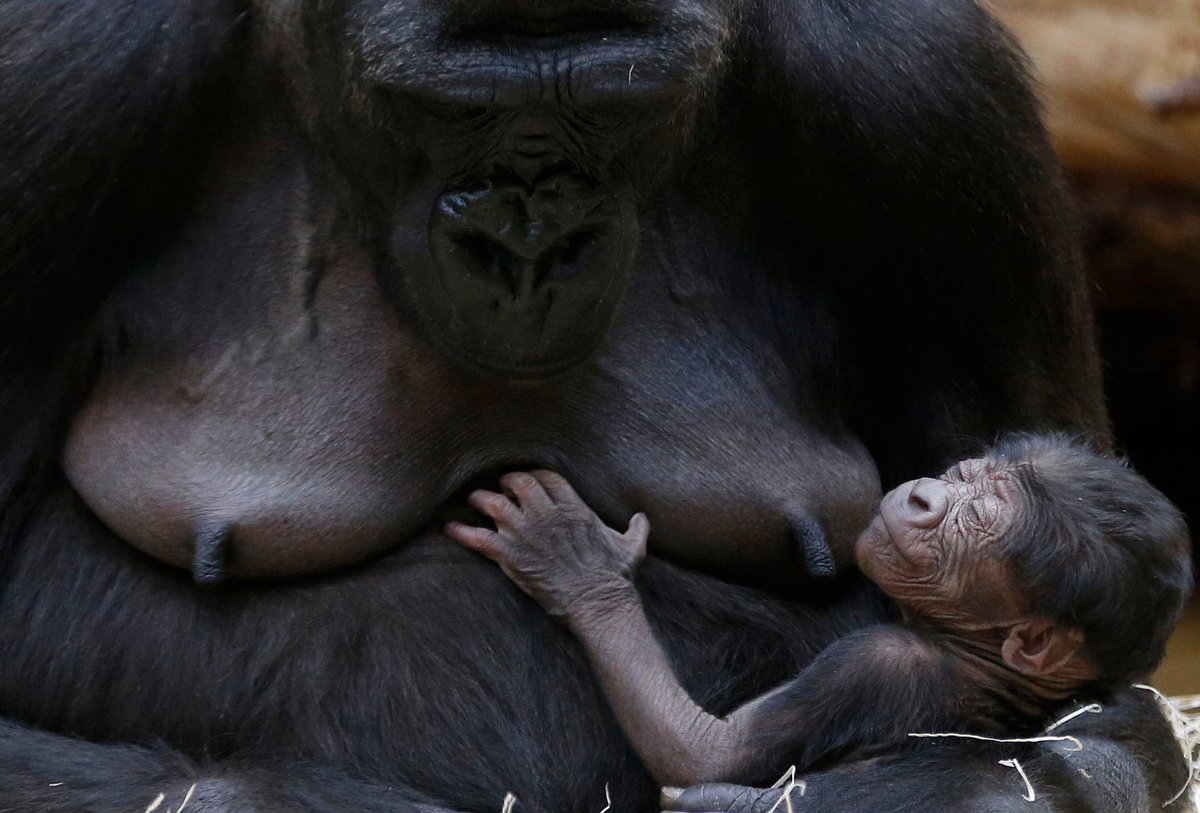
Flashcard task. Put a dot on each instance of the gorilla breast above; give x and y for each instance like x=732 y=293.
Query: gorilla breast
x=436 y=276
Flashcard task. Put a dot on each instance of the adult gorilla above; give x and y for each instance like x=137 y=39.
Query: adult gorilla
x=282 y=278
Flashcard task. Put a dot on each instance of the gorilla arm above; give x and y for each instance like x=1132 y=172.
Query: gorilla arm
x=1127 y=772
x=858 y=698
x=965 y=313
x=966 y=309
x=41 y=771
x=97 y=99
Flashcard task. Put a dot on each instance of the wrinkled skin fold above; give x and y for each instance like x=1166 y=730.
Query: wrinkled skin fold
x=283 y=279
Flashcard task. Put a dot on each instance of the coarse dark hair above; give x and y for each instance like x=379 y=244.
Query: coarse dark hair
x=1098 y=547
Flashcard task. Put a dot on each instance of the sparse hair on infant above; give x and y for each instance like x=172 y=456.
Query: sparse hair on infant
x=1038 y=572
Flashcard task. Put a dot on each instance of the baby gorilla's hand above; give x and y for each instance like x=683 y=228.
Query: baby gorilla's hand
x=552 y=545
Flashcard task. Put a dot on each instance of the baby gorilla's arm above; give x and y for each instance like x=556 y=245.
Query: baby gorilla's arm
x=555 y=548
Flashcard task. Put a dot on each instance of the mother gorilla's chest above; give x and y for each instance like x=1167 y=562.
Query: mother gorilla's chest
x=264 y=396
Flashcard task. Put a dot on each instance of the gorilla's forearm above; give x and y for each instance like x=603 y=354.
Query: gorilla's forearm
x=42 y=772
x=678 y=741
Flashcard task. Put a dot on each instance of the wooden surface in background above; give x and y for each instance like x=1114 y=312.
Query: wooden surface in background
x=1143 y=246
x=1180 y=672
x=1116 y=78
x=1120 y=81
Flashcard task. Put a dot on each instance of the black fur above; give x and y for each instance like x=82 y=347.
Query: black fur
x=871 y=174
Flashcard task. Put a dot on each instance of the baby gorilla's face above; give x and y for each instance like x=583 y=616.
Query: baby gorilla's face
x=936 y=546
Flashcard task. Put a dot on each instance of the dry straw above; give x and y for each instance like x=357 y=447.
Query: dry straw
x=1184 y=714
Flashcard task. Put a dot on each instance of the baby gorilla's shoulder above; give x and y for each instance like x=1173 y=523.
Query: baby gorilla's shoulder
x=890 y=649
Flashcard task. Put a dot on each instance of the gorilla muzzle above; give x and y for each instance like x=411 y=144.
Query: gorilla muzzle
x=526 y=273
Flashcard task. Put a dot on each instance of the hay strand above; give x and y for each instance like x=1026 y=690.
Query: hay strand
x=1184 y=716
x=187 y=798
x=1030 y=795
x=948 y=735
x=788 y=782
x=1091 y=708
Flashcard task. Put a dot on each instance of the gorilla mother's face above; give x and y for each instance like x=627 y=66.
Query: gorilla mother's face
x=505 y=145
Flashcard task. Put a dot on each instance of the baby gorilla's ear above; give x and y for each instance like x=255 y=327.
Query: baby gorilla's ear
x=1037 y=648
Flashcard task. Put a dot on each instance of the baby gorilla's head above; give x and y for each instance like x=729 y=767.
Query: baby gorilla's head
x=1081 y=564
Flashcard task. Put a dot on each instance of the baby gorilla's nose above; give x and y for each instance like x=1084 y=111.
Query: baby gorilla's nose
x=927 y=503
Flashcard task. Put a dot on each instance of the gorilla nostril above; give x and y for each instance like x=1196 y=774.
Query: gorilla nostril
x=926 y=502
x=483 y=254
x=491 y=259
x=487 y=258
x=566 y=258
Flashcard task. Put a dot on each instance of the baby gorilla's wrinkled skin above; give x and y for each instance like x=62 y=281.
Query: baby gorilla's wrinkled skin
x=936 y=547
x=931 y=539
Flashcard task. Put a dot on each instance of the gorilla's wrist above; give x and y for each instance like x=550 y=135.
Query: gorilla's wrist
x=596 y=605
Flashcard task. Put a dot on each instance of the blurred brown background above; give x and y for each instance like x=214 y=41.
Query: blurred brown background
x=1120 y=80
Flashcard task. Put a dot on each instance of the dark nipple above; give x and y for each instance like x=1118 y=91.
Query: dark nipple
x=210 y=556
x=813 y=548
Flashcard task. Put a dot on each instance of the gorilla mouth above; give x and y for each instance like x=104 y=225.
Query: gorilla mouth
x=557 y=28
x=571 y=49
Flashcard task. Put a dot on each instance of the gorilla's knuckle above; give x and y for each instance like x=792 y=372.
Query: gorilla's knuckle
x=553 y=478
x=497 y=502
x=522 y=481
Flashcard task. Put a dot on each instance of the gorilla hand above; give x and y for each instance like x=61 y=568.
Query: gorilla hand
x=552 y=545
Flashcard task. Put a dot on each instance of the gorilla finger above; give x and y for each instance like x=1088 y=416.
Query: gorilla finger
x=483 y=540
x=556 y=486
x=498 y=507
x=638 y=532
x=528 y=490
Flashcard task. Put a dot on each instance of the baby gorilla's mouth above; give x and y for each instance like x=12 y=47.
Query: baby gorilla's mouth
x=900 y=552
x=878 y=538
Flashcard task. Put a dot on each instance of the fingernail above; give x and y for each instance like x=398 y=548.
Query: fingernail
x=671 y=794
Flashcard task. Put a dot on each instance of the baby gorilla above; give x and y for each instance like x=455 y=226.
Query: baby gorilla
x=1038 y=571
